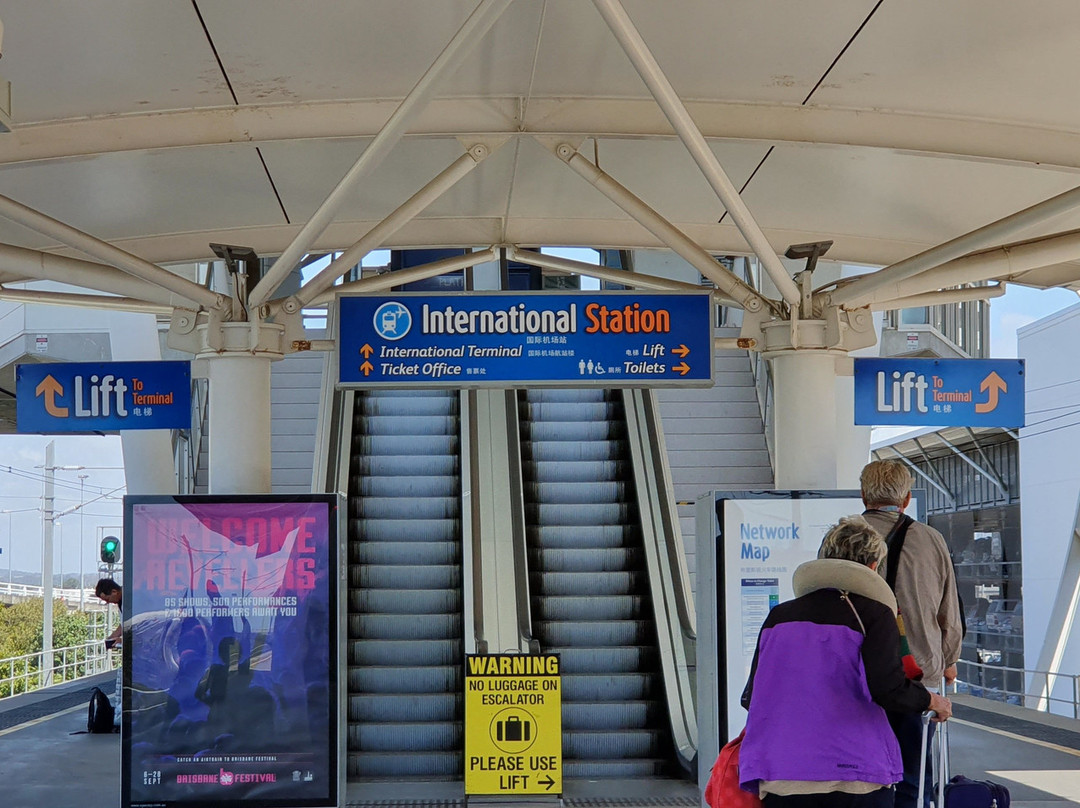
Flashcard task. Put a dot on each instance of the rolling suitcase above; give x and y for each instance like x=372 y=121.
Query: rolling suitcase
x=960 y=791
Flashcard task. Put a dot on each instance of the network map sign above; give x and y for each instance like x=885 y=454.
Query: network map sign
x=102 y=396
x=231 y=678
x=501 y=339
x=939 y=392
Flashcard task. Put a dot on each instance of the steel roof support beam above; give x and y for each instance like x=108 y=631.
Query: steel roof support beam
x=96 y=302
x=36 y=265
x=933 y=469
x=987 y=462
x=858 y=293
x=942 y=489
x=635 y=279
x=375 y=237
x=664 y=230
x=938 y=298
x=474 y=28
x=1001 y=263
x=992 y=477
x=125 y=261
x=387 y=280
x=649 y=69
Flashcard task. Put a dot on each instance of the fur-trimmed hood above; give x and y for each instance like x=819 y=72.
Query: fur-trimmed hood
x=850 y=576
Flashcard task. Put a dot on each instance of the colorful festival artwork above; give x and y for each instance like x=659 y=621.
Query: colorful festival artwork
x=230 y=651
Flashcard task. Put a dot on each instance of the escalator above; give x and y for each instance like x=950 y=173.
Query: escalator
x=591 y=598
x=405 y=641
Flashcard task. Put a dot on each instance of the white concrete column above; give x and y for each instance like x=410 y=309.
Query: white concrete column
x=852 y=442
x=148 y=453
x=806 y=441
x=239 y=421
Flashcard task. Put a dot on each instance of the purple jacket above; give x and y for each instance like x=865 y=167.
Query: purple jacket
x=818 y=687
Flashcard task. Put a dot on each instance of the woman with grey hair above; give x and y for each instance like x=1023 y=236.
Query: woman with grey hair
x=826 y=667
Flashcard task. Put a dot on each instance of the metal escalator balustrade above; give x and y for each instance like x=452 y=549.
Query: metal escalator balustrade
x=405 y=704
x=591 y=601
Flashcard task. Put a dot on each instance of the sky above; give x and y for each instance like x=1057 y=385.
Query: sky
x=22 y=457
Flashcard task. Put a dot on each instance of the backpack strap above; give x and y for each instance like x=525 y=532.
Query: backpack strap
x=895 y=541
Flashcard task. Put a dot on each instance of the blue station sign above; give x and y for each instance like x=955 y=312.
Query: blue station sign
x=102 y=396
x=939 y=392
x=501 y=339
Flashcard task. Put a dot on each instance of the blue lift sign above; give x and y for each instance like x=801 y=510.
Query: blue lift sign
x=939 y=392
x=501 y=339
x=102 y=396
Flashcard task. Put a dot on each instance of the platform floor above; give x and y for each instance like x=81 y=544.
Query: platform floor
x=44 y=765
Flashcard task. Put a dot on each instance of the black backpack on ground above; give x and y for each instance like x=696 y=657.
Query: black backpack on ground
x=100 y=714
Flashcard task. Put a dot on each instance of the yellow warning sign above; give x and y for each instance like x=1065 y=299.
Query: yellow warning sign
x=513 y=724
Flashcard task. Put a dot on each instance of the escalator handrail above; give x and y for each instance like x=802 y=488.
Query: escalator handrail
x=518 y=531
x=666 y=570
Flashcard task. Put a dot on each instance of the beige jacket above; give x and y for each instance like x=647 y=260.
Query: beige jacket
x=926 y=595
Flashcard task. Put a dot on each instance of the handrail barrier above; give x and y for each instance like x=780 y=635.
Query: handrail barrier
x=25 y=673
x=973 y=681
x=70 y=596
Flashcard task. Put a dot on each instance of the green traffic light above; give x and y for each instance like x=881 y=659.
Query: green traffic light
x=110 y=547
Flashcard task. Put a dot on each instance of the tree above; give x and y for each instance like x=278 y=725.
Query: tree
x=21 y=634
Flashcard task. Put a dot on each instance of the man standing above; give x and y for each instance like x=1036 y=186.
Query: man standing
x=926 y=595
x=110 y=592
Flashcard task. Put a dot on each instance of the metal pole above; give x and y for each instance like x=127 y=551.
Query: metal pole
x=649 y=69
x=47 y=566
x=11 y=550
x=82 y=536
x=473 y=29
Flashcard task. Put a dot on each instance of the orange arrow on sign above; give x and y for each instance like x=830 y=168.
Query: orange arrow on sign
x=367 y=367
x=995 y=384
x=50 y=388
x=683 y=368
x=367 y=350
x=682 y=351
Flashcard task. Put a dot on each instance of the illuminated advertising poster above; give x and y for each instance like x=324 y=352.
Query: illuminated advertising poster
x=230 y=651
x=762 y=539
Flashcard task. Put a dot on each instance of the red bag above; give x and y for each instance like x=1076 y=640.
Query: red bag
x=722 y=790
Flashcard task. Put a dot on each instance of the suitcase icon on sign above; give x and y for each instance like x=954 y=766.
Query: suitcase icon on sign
x=513 y=729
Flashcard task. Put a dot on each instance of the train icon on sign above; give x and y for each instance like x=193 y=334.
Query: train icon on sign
x=392 y=320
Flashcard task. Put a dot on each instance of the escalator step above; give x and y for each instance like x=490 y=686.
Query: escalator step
x=411 y=487
x=626 y=743
x=417 y=425
x=431 y=679
x=611 y=559
x=428 y=576
x=611 y=687
x=412 y=707
x=572 y=394
x=406 y=652
x=383 y=765
x=603 y=514
x=620 y=659
x=410 y=508
x=402 y=466
x=401 y=406
x=594 y=635
x=577 y=493
x=404 y=626
x=614 y=769
x=590 y=608
x=405 y=601
x=573 y=411
x=612 y=716
x=388 y=551
x=565 y=431
x=572 y=452
x=406 y=737
x=549 y=584
x=418 y=446
x=583 y=537
x=584 y=471
x=413 y=531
